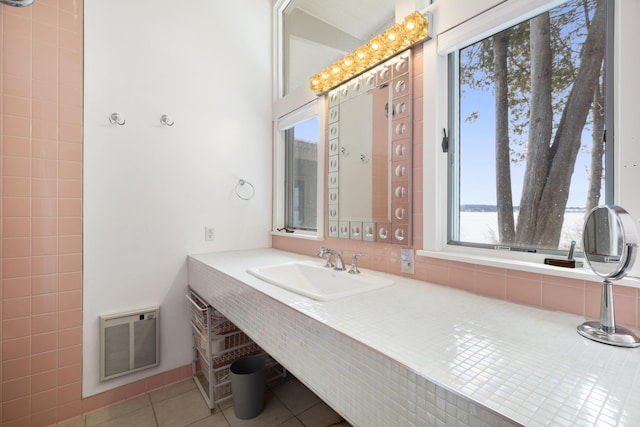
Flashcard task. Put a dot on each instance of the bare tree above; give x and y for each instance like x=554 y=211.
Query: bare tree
x=548 y=209
x=598 y=138
x=506 y=225
x=544 y=91
x=540 y=128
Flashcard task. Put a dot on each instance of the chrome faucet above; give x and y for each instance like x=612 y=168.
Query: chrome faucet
x=324 y=251
x=354 y=263
x=339 y=265
x=338 y=258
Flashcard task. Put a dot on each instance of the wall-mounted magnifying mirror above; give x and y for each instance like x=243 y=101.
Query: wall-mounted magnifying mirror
x=610 y=243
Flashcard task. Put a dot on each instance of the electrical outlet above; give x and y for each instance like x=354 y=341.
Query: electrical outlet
x=406 y=261
x=209 y=234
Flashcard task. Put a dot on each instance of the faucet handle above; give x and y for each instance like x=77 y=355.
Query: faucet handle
x=328 y=252
x=354 y=263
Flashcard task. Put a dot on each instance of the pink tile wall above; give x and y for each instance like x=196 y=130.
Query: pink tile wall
x=41 y=212
x=546 y=291
x=41 y=69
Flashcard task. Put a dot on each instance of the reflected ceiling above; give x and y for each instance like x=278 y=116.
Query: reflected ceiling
x=361 y=19
x=318 y=32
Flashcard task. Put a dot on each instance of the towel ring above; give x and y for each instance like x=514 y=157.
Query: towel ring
x=241 y=184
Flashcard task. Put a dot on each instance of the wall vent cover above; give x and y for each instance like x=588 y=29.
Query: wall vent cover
x=129 y=342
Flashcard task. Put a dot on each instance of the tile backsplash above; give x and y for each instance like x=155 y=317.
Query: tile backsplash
x=540 y=290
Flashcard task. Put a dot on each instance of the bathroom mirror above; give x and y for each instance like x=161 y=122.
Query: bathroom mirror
x=610 y=243
x=369 y=179
x=313 y=34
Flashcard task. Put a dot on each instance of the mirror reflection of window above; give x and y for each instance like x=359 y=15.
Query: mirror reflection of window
x=603 y=234
x=301 y=175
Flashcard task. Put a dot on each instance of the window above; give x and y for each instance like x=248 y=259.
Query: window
x=299 y=167
x=529 y=157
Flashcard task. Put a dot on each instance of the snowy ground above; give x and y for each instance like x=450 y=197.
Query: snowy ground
x=481 y=227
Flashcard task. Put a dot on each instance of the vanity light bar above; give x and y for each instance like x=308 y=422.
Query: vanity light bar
x=413 y=28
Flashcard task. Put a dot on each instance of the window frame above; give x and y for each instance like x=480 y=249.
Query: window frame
x=459 y=28
x=311 y=109
x=296 y=106
x=278 y=47
x=454 y=166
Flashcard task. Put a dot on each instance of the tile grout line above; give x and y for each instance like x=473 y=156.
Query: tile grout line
x=224 y=416
x=284 y=406
x=153 y=409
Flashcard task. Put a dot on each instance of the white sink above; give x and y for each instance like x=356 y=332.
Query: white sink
x=312 y=280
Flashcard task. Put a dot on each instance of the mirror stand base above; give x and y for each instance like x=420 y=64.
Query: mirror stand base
x=620 y=336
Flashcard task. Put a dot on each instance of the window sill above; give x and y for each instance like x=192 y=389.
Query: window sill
x=298 y=235
x=532 y=263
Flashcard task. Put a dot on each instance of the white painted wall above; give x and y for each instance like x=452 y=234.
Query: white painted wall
x=149 y=190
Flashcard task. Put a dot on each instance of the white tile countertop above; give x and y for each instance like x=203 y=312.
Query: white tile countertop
x=527 y=364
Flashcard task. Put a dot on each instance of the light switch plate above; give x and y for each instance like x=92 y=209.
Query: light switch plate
x=209 y=234
x=406 y=261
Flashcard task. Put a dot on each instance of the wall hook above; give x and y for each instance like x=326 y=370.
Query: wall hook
x=165 y=120
x=115 y=119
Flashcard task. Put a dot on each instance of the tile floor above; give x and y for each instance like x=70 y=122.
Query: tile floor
x=287 y=404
